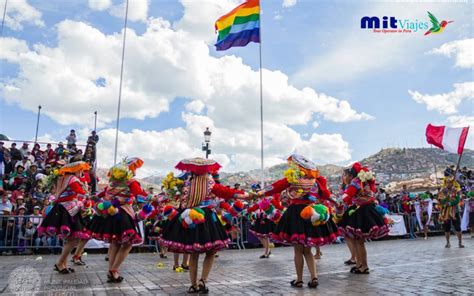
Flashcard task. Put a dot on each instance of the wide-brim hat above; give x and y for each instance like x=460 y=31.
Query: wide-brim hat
x=198 y=165
x=133 y=163
x=74 y=167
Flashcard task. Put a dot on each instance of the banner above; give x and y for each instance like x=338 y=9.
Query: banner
x=418 y=210
x=398 y=228
x=465 y=215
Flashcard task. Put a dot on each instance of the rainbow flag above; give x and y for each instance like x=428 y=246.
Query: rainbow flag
x=240 y=26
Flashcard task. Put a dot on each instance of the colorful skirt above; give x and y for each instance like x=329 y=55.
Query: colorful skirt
x=60 y=223
x=363 y=222
x=119 y=228
x=207 y=236
x=294 y=230
x=262 y=227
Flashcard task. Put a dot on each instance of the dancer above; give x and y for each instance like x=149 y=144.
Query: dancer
x=65 y=219
x=423 y=210
x=264 y=213
x=115 y=219
x=449 y=197
x=304 y=224
x=361 y=220
x=197 y=229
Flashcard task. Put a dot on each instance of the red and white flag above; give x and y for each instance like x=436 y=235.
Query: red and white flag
x=447 y=138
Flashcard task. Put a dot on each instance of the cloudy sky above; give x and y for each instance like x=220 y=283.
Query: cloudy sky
x=332 y=91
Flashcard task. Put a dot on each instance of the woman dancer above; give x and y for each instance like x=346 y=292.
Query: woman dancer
x=304 y=224
x=264 y=218
x=361 y=220
x=115 y=220
x=197 y=229
x=423 y=210
x=65 y=219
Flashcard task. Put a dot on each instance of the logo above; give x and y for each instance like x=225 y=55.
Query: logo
x=392 y=24
x=24 y=280
x=436 y=26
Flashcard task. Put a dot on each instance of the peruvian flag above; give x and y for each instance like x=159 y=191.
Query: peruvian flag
x=447 y=138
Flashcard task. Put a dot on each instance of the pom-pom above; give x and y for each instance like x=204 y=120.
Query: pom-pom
x=87 y=204
x=307 y=212
x=264 y=205
x=116 y=203
x=197 y=215
x=112 y=210
x=238 y=206
x=147 y=208
x=381 y=210
x=107 y=205
x=227 y=217
x=100 y=206
x=169 y=212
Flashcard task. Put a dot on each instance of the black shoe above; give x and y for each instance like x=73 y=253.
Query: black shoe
x=62 y=271
x=78 y=261
x=349 y=262
x=185 y=267
x=359 y=271
x=202 y=287
x=193 y=290
x=296 y=284
x=314 y=283
x=112 y=279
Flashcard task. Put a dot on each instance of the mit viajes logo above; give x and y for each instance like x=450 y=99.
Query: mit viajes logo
x=391 y=24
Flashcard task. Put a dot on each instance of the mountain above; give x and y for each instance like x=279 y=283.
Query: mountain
x=390 y=165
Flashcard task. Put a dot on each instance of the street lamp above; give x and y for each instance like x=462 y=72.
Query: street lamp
x=37 y=123
x=207 y=140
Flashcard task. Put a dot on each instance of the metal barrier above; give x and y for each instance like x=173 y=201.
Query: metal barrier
x=18 y=235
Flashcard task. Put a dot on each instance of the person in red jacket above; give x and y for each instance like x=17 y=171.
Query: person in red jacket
x=65 y=219
x=115 y=221
x=197 y=229
x=361 y=220
x=304 y=224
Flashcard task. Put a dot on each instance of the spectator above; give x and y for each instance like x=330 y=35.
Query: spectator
x=19 y=202
x=237 y=186
x=37 y=154
x=49 y=154
x=31 y=177
x=48 y=170
x=38 y=193
x=71 y=139
x=25 y=163
x=30 y=157
x=15 y=153
x=59 y=150
x=93 y=139
x=24 y=150
x=18 y=178
x=36 y=218
x=77 y=156
x=5 y=204
x=9 y=166
x=3 y=153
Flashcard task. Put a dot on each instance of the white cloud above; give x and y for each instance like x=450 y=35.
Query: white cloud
x=446 y=103
x=463 y=50
x=460 y=121
x=99 y=5
x=196 y=106
x=137 y=10
x=315 y=124
x=19 y=13
x=289 y=3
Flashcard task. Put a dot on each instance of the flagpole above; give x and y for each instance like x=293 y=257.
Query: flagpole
x=120 y=87
x=261 y=101
x=460 y=156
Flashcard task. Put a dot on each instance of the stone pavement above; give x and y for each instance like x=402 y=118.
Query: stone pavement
x=398 y=267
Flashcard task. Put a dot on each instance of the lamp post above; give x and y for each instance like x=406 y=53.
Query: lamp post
x=207 y=140
x=37 y=123
x=95 y=121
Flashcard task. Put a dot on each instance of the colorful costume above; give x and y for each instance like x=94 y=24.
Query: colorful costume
x=196 y=228
x=115 y=219
x=264 y=214
x=449 y=199
x=64 y=219
x=362 y=220
x=304 y=222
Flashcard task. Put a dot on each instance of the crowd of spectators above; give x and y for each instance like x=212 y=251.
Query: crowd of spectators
x=22 y=193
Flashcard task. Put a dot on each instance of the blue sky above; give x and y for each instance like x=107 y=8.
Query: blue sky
x=314 y=44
